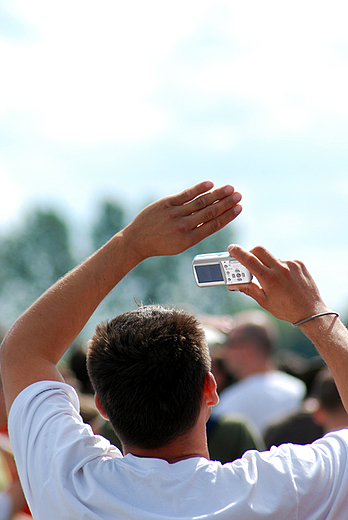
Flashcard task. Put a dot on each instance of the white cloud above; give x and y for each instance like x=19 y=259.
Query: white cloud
x=217 y=138
x=283 y=58
x=92 y=71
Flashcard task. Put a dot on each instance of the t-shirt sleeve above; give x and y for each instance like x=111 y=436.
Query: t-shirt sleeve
x=323 y=474
x=319 y=474
x=51 y=444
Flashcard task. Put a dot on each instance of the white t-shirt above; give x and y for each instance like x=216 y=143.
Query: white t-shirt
x=262 y=398
x=68 y=473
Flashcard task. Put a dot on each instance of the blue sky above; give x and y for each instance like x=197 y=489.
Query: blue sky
x=141 y=99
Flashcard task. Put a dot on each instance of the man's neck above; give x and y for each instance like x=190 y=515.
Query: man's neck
x=192 y=444
x=164 y=453
x=260 y=367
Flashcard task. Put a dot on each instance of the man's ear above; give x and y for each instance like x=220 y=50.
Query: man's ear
x=100 y=407
x=210 y=390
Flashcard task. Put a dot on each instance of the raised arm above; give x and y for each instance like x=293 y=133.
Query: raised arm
x=38 y=339
x=287 y=290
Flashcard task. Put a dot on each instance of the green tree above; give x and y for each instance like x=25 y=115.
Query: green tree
x=32 y=258
x=110 y=220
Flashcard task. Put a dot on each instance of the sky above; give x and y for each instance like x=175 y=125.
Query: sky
x=137 y=100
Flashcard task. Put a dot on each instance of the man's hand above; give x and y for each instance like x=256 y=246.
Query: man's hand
x=175 y=223
x=285 y=289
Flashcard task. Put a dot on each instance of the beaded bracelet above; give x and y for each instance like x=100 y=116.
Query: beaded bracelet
x=315 y=316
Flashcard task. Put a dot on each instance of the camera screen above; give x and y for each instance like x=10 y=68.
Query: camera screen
x=209 y=273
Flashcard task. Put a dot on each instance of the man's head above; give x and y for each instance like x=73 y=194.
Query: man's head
x=148 y=368
x=250 y=344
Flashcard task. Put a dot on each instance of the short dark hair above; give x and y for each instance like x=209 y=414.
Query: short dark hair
x=256 y=327
x=148 y=367
x=254 y=333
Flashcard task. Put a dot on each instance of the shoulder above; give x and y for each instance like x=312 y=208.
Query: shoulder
x=284 y=382
x=41 y=410
x=316 y=464
x=40 y=394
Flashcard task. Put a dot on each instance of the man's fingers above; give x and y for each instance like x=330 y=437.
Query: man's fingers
x=251 y=289
x=203 y=230
x=215 y=210
x=196 y=199
x=196 y=207
x=264 y=256
x=208 y=199
x=190 y=194
x=252 y=260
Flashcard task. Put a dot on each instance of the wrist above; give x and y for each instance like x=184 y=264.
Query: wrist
x=315 y=316
x=127 y=242
x=320 y=324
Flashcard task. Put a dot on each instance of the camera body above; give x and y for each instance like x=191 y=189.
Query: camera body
x=213 y=269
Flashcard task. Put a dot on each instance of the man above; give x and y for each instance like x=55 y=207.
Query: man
x=67 y=472
x=263 y=394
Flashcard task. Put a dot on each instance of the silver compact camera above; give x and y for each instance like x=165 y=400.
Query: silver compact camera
x=219 y=269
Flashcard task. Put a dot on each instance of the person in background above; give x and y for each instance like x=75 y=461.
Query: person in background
x=229 y=436
x=329 y=413
x=262 y=393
